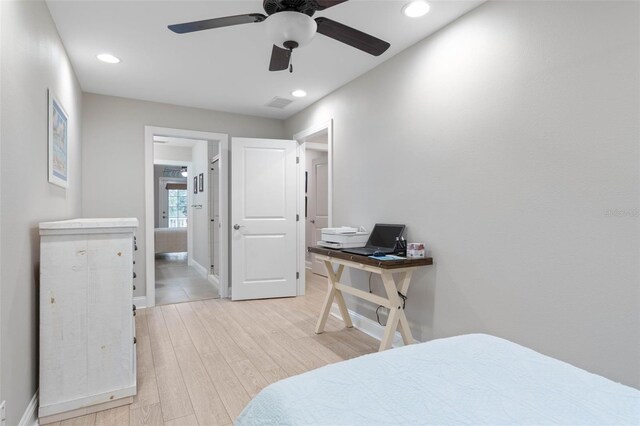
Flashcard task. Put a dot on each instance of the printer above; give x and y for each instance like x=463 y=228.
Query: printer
x=343 y=237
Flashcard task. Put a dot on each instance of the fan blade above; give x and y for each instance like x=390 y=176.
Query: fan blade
x=207 y=24
x=279 y=59
x=325 y=4
x=352 y=37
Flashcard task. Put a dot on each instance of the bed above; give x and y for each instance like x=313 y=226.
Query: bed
x=469 y=379
x=170 y=240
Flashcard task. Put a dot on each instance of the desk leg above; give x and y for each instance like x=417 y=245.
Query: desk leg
x=332 y=279
x=396 y=313
x=340 y=300
x=405 y=331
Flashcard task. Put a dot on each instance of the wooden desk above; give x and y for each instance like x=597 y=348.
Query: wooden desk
x=384 y=268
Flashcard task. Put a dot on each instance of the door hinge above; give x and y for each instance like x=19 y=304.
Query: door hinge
x=297 y=218
x=297 y=160
x=297 y=275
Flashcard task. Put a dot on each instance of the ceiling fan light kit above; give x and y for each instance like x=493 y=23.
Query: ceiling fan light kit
x=290 y=25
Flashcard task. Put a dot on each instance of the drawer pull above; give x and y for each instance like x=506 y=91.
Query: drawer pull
x=134 y=275
x=134 y=340
x=134 y=287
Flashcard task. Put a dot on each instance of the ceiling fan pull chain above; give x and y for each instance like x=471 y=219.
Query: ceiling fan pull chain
x=291 y=63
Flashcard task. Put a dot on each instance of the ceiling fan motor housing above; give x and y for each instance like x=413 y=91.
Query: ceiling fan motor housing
x=288 y=26
x=308 y=7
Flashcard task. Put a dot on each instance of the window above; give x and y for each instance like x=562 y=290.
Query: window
x=177 y=208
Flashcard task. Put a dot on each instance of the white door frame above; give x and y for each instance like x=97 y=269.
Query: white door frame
x=301 y=138
x=149 y=240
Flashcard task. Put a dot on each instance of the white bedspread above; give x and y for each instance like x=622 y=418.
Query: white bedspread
x=472 y=379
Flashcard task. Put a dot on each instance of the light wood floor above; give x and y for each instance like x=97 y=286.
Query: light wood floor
x=200 y=363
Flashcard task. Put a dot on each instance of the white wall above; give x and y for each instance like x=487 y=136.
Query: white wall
x=504 y=142
x=33 y=59
x=200 y=217
x=171 y=153
x=157 y=174
x=113 y=138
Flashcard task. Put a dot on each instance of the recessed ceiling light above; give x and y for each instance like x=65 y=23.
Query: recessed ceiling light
x=416 y=9
x=108 y=58
x=299 y=93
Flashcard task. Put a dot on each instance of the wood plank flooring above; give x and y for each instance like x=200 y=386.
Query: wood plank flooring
x=200 y=363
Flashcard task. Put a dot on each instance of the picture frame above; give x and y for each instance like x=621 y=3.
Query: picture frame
x=201 y=179
x=58 y=142
x=195 y=184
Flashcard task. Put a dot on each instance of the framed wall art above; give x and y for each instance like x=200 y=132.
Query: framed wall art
x=58 y=136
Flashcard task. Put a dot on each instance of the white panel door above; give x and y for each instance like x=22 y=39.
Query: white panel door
x=320 y=219
x=263 y=218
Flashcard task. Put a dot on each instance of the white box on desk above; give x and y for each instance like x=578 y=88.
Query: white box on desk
x=354 y=238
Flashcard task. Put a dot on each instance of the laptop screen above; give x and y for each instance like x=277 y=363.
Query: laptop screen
x=384 y=235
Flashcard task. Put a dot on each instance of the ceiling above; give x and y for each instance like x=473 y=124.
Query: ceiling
x=226 y=69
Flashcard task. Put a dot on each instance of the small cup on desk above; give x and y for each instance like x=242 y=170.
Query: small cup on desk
x=415 y=250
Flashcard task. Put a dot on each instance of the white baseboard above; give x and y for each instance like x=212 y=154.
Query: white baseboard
x=368 y=326
x=30 y=416
x=198 y=267
x=140 y=302
x=215 y=281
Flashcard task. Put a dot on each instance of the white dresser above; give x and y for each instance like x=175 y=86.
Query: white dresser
x=87 y=324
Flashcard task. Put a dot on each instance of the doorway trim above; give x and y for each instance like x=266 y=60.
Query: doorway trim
x=301 y=137
x=149 y=240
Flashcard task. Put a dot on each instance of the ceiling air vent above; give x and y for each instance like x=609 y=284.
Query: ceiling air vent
x=279 y=102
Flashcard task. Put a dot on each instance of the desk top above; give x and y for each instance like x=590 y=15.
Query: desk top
x=366 y=260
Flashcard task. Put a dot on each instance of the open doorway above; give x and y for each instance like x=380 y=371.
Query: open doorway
x=179 y=201
x=317 y=145
x=186 y=252
x=317 y=198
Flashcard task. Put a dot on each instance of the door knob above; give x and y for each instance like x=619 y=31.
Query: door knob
x=236 y=226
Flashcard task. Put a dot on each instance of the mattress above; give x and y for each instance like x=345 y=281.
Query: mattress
x=471 y=379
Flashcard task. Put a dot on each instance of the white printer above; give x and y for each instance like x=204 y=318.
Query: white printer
x=343 y=237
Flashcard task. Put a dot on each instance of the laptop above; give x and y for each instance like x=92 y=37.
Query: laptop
x=382 y=238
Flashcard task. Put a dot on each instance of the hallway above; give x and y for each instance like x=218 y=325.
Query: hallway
x=178 y=282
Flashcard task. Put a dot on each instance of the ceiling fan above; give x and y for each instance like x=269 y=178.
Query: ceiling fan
x=290 y=25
